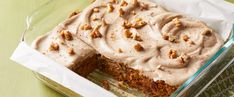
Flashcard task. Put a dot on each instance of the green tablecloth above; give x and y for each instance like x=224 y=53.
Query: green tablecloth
x=17 y=81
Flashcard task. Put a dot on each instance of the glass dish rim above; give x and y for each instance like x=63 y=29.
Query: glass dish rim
x=183 y=86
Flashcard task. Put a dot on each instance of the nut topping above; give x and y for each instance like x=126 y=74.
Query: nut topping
x=96 y=10
x=138 y=47
x=127 y=33
x=137 y=38
x=120 y=50
x=113 y=1
x=172 y=54
x=177 y=22
x=110 y=8
x=165 y=37
x=123 y=3
x=185 y=38
x=172 y=38
x=95 y=33
x=70 y=51
x=139 y=23
x=127 y=25
x=54 y=47
x=86 y=27
x=66 y=35
x=121 y=12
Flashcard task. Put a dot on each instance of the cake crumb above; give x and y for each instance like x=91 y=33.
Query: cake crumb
x=105 y=84
x=138 y=47
x=54 y=47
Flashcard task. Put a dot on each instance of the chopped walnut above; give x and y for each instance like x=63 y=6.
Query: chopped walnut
x=66 y=35
x=144 y=6
x=138 y=47
x=95 y=33
x=184 y=58
x=54 y=47
x=110 y=8
x=96 y=10
x=105 y=84
x=70 y=51
x=86 y=27
x=120 y=50
x=165 y=37
x=137 y=38
x=185 y=38
x=123 y=3
x=207 y=32
x=139 y=23
x=127 y=25
x=121 y=12
x=127 y=33
x=177 y=22
x=172 y=54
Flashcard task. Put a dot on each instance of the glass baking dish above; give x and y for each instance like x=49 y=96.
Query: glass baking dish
x=53 y=12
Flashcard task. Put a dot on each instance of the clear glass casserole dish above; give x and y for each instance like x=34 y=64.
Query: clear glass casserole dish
x=53 y=12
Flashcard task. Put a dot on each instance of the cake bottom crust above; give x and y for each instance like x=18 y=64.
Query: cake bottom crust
x=135 y=79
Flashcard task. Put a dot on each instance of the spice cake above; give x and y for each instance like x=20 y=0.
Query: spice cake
x=138 y=42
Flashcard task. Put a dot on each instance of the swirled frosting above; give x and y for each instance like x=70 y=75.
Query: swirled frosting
x=162 y=45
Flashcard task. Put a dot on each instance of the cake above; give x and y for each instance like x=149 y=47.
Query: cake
x=138 y=42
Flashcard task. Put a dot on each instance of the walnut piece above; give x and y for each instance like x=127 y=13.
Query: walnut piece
x=127 y=33
x=66 y=35
x=95 y=33
x=113 y=1
x=120 y=50
x=165 y=37
x=137 y=38
x=138 y=47
x=127 y=25
x=54 y=47
x=139 y=23
x=172 y=54
x=172 y=38
x=185 y=38
x=96 y=10
x=121 y=12
x=86 y=27
x=123 y=3
x=70 y=51
x=110 y=8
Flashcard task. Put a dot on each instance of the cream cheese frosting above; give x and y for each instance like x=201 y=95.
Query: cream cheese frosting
x=162 y=45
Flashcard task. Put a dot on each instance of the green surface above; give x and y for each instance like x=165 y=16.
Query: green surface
x=17 y=81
